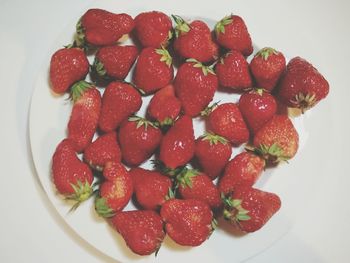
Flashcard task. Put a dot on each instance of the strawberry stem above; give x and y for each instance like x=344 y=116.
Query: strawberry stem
x=79 y=88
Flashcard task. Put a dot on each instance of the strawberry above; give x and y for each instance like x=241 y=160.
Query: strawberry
x=302 y=86
x=199 y=186
x=67 y=66
x=99 y=27
x=138 y=140
x=249 y=209
x=233 y=71
x=177 y=145
x=232 y=33
x=244 y=169
x=195 y=86
x=119 y=101
x=153 y=29
x=85 y=114
x=105 y=148
x=114 y=62
x=267 y=67
x=187 y=222
x=277 y=140
x=257 y=108
x=72 y=177
x=142 y=230
x=151 y=188
x=226 y=120
x=213 y=152
x=194 y=40
x=164 y=107
x=154 y=70
x=115 y=192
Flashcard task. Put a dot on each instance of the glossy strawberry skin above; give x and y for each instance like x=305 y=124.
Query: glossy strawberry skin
x=150 y=187
x=244 y=169
x=227 y=121
x=188 y=222
x=235 y=36
x=257 y=108
x=119 y=101
x=194 y=88
x=153 y=28
x=177 y=145
x=67 y=66
x=142 y=230
x=233 y=71
x=67 y=169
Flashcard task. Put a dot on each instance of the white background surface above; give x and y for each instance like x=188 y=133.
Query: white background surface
x=32 y=231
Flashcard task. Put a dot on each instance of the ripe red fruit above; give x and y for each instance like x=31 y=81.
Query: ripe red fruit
x=277 y=140
x=188 y=222
x=119 y=101
x=153 y=29
x=257 y=108
x=99 y=27
x=115 y=192
x=244 y=169
x=232 y=33
x=177 y=145
x=67 y=66
x=114 y=62
x=164 y=107
x=85 y=114
x=233 y=71
x=227 y=121
x=138 y=140
x=267 y=67
x=142 y=230
x=195 y=86
x=150 y=187
x=212 y=152
x=249 y=209
x=302 y=86
x=194 y=40
x=105 y=148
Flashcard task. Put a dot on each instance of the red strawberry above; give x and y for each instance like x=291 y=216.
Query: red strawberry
x=195 y=86
x=164 y=107
x=199 y=186
x=226 y=120
x=153 y=29
x=151 y=188
x=72 y=177
x=142 y=230
x=67 y=66
x=194 y=40
x=114 y=193
x=99 y=27
x=212 y=152
x=138 y=140
x=244 y=169
x=232 y=33
x=114 y=62
x=302 y=86
x=119 y=101
x=257 y=108
x=105 y=148
x=177 y=145
x=233 y=71
x=85 y=113
x=188 y=222
x=249 y=209
x=267 y=67
x=277 y=140
x=154 y=70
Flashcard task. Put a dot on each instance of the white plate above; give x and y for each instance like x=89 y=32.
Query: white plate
x=48 y=119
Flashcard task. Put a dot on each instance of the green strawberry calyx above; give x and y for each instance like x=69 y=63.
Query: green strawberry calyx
x=304 y=101
x=171 y=194
x=220 y=26
x=82 y=192
x=206 y=112
x=99 y=68
x=266 y=52
x=213 y=138
x=102 y=208
x=234 y=212
x=272 y=154
x=160 y=166
x=79 y=38
x=142 y=122
x=181 y=26
x=205 y=69
x=165 y=56
x=185 y=177
x=79 y=88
